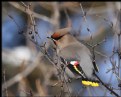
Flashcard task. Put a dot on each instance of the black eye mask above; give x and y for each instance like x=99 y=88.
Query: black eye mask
x=57 y=38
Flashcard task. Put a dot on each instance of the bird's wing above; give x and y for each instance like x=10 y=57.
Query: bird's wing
x=76 y=69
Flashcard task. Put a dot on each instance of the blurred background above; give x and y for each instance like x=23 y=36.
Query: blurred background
x=25 y=68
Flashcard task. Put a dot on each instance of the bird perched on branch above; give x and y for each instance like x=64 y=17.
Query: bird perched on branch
x=77 y=56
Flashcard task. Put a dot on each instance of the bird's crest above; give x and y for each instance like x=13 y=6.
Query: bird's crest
x=59 y=33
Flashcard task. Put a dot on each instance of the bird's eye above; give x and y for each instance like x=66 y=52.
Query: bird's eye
x=57 y=38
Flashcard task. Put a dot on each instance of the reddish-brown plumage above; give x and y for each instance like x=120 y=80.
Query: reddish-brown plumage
x=55 y=35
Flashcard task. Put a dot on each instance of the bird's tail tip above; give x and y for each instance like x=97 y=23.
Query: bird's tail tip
x=90 y=83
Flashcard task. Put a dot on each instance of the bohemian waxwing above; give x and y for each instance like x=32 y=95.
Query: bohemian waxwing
x=77 y=57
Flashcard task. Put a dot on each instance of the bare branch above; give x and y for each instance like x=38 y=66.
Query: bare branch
x=24 y=73
x=40 y=88
x=110 y=89
x=31 y=12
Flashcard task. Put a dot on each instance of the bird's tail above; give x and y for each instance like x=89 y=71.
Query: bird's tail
x=94 y=82
x=90 y=83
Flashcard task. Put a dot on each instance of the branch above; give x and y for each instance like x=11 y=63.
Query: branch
x=84 y=16
x=107 y=86
x=23 y=74
x=16 y=5
x=40 y=88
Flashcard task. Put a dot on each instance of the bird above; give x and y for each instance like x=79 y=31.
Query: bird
x=77 y=56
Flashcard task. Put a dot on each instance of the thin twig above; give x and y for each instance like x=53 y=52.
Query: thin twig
x=18 y=6
x=107 y=86
x=40 y=88
x=108 y=83
x=84 y=15
x=24 y=73
x=4 y=78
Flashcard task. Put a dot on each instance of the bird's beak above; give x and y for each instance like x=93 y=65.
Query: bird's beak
x=52 y=39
